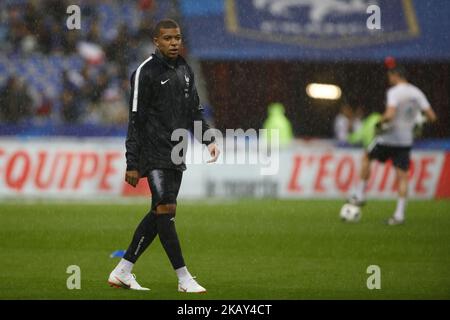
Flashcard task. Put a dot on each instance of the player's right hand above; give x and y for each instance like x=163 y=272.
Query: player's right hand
x=132 y=177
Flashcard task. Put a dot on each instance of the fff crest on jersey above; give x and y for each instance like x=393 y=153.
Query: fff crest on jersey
x=321 y=23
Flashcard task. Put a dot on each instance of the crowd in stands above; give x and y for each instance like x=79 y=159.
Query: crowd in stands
x=52 y=75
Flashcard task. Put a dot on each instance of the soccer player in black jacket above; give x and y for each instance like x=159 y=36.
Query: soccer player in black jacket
x=163 y=99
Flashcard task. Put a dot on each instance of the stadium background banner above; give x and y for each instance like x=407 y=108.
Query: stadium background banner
x=87 y=169
x=327 y=30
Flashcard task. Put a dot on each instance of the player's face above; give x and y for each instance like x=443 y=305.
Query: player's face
x=169 y=42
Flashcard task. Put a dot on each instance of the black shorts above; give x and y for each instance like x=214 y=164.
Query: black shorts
x=400 y=156
x=164 y=186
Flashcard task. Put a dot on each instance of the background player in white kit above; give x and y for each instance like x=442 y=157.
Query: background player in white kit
x=395 y=138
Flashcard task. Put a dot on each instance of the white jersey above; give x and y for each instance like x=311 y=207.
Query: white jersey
x=409 y=101
x=341 y=128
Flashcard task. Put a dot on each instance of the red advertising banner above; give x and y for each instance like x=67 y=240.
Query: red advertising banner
x=334 y=173
x=60 y=168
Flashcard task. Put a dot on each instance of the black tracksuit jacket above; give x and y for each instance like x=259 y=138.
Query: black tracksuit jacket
x=163 y=98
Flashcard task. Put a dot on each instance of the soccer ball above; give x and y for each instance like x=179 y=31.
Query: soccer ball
x=350 y=213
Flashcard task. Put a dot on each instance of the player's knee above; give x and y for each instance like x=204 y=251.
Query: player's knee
x=366 y=159
x=402 y=174
x=169 y=208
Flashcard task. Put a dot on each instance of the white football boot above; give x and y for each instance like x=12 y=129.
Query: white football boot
x=125 y=280
x=190 y=285
x=394 y=222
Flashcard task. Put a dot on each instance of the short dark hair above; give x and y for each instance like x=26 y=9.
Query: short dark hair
x=399 y=70
x=164 y=24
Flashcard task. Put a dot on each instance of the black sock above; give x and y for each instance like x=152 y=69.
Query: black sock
x=169 y=239
x=145 y=232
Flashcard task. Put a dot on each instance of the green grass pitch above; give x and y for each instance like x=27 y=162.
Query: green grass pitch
x=249 y=249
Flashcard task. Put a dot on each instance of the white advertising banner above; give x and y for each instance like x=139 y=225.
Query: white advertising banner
x=95 y=168
x=65 y=168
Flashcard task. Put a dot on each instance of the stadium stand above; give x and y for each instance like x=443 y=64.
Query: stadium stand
x=76 y=81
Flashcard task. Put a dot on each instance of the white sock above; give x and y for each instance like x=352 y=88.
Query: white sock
x=400 y=210
x=183 y=273
x=360 y=191
x=124 y=266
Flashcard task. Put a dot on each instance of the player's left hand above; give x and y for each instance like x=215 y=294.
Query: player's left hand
x=380 y=127
x=214 y=152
